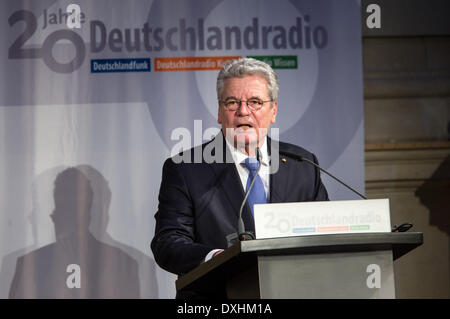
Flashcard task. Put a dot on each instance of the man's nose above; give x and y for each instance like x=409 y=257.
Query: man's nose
x=243 y=109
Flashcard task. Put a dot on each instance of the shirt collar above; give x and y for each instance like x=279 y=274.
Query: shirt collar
x=239 y=157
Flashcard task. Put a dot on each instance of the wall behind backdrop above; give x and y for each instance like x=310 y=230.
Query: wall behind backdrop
x=107 y=94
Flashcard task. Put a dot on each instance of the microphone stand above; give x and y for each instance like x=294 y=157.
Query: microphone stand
x=301 y=158
x=242 y=233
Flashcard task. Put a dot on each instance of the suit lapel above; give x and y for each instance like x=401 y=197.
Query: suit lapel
x=231 y=185
x=278 y=180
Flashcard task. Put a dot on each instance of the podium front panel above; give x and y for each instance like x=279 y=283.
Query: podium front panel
x=336 y=275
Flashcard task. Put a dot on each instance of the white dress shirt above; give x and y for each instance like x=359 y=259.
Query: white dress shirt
x=264 y=174
x=239 y=157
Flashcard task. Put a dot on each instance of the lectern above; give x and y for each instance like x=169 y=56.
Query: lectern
x=357 y=265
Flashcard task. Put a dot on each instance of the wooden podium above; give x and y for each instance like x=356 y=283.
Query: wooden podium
x=319 y=266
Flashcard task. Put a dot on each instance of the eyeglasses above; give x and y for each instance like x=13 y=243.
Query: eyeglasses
x=252 y=104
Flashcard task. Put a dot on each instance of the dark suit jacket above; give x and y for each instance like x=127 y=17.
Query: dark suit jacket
x=199 y=202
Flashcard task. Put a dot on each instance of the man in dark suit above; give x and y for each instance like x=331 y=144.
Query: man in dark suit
x=199 y=201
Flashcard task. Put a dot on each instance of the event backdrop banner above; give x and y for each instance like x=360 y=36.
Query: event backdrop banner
x=95 y=95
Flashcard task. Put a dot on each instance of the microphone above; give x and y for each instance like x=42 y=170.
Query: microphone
x=303 y=159
x=244 y=235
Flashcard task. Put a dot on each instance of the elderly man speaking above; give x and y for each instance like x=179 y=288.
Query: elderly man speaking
x=199 y=202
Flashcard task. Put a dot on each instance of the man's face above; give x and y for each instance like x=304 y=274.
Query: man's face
x=244 y=126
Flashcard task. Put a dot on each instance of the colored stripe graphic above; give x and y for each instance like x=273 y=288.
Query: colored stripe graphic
x=120 y=65
x=304 y=230
x=332 y=228
x=191 y=63
x=360 y=227
x=278 y=61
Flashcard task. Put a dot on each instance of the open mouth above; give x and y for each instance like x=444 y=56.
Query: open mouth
x=244 y=126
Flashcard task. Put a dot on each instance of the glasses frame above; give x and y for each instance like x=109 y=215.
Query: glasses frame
x=246 y=102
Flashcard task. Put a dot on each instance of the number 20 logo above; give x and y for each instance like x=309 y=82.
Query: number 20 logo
x=18 y=51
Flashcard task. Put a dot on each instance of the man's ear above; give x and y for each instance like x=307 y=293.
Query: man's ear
x=274 y=111
x=219 y=115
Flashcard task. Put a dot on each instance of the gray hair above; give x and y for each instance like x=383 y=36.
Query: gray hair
x=248 y=66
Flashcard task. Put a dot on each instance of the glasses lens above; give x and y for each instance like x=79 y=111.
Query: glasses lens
x=255 y=104
x=231 y=104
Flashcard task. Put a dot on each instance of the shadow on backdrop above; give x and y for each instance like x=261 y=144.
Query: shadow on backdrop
x=37 y=229
x=77 y=265
x=99 y=224
x=434 y=193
